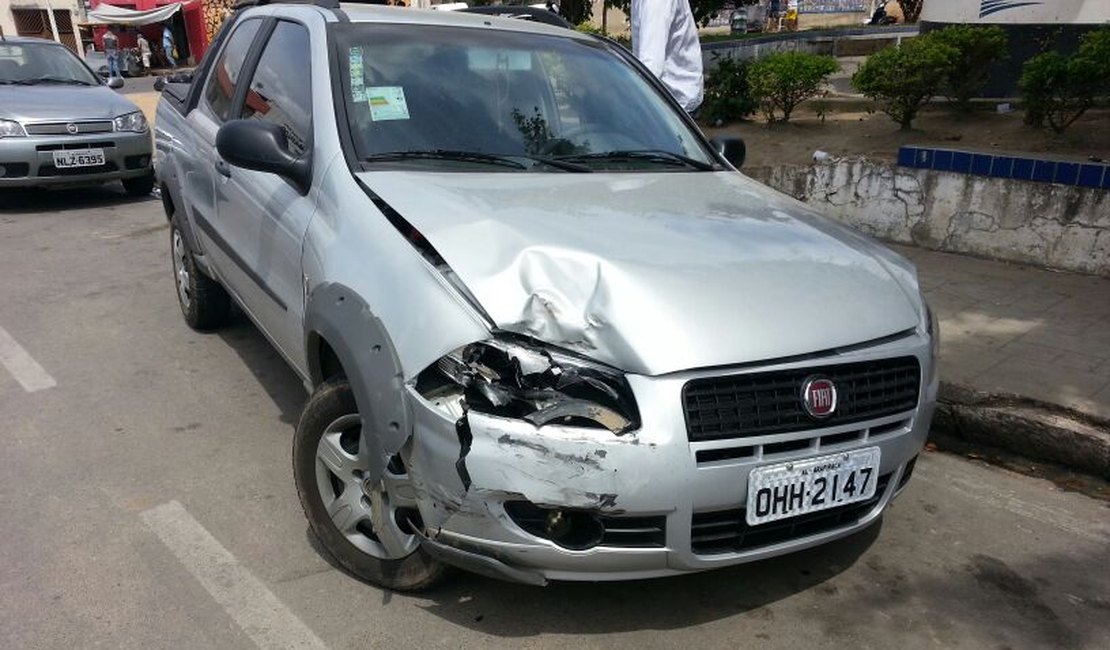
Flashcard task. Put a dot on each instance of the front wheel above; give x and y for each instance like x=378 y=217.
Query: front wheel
x=367 y=526
x=204 y=303
x=140 y=185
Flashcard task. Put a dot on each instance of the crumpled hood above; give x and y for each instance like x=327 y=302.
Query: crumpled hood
x=655 y=273
x=61 y=103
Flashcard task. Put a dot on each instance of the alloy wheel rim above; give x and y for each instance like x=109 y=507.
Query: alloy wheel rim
x=372 y=515
x=181 y=272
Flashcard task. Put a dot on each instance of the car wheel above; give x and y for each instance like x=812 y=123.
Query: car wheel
x=139 y=186
x=365 y=526
x=204 y=303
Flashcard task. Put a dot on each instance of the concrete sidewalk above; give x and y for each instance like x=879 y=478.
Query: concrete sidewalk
x=1025 y=355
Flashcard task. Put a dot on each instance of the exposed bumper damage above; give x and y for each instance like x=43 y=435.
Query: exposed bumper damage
x=479 y=458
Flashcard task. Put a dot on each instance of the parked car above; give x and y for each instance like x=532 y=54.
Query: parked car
x=60 y=124
x=129 y=63
x=549 y=331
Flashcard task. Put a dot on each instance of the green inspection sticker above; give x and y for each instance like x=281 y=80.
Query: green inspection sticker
x=387 y=103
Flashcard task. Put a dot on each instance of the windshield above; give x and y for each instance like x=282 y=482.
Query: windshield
x=466 y=99
x=42 y=63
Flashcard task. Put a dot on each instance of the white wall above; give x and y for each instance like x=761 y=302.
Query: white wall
x=1016 y=11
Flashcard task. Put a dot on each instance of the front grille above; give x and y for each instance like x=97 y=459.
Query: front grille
x=50 y=170
x=728 y=532
x=771 y=402
x=62 y=128
x=76 y=146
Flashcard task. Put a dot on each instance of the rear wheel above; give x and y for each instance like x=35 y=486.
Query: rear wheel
x=367 y=526
x=204 y=303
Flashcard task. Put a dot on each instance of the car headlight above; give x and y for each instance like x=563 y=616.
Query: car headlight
x=135 y=122
x=11 y=129
x=521 y=378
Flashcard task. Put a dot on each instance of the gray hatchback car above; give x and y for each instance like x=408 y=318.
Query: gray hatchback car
x=549 y=331
x=61 y=125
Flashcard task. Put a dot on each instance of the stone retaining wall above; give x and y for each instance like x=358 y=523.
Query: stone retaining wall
x=1048 y=225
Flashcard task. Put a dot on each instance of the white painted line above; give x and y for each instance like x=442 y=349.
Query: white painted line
x=265 y=619
x=22 y=366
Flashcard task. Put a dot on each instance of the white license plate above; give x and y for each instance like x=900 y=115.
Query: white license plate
x=78 y=158
x=799 y=487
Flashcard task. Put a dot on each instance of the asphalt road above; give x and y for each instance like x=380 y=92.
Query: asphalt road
x=146 y=501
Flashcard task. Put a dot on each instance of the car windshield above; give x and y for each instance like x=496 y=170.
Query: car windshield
x=42 y=63
x=468 y=99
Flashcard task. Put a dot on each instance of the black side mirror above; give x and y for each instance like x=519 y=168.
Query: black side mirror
x=181 y=77
x=262 y=146
x=115 y=83
x=159 y=83
x=731 y=149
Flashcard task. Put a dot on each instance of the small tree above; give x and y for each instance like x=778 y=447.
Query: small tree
x=783 y=80
x=1057 y=89
x=905 y=78
x=977 y=49
x=1094 y=49
x=728 y=95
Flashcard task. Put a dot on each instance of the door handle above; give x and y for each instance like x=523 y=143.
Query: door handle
x=223 y=167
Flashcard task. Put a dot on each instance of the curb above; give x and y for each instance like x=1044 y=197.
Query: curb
x=1037 y=430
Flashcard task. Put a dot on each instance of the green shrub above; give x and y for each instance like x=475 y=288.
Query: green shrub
x=1094 y=49
x=977 y=49
x=905 y=78
x=782 y=81
x=1057 y=89
x=728 y=95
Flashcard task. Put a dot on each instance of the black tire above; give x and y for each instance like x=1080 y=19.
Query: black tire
x=417 y=571
x=204 y=303
x=140 y=185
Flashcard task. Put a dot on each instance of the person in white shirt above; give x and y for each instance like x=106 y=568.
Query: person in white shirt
x=665 y=40
x=144 y=51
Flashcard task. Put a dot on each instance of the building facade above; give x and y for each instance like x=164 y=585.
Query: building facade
x=52 y=19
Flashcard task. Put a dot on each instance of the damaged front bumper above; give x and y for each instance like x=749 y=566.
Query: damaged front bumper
x=488 y=485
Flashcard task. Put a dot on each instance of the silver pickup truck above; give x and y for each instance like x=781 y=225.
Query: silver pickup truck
x=549 y=331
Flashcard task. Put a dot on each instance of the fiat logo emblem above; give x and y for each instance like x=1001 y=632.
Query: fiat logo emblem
x=72 y=128
x=819 y=396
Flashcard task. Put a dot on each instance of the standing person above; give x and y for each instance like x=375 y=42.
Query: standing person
x=665 y=40
x=111 y=50
x=144 y=52
x=792 y=15
x=168 y=46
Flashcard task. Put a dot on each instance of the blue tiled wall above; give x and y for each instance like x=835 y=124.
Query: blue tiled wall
x=1024 y=168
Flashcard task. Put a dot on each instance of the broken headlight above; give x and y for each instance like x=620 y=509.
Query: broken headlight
x=526 y=380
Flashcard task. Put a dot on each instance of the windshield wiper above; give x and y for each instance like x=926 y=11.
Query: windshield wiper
x=508 y=160
x=643 y=155
x=51 y=80
x=446 y=154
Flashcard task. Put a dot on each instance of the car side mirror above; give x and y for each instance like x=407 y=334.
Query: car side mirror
x=115 y=83
x=262 y=146
x=159 y=83
x=731 y=149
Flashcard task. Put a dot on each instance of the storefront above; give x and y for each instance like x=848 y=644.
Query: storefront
x=187 y=24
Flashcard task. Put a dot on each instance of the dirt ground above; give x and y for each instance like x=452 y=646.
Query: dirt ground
x=850 y=131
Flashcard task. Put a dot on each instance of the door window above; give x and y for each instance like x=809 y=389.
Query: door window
x=221 y=82
x=281 y=90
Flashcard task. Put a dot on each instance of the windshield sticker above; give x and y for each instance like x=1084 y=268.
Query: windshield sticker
x=358 y=88
x=387 y=103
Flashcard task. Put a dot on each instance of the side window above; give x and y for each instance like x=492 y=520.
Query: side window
x=281 y=90
x=221 y=82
